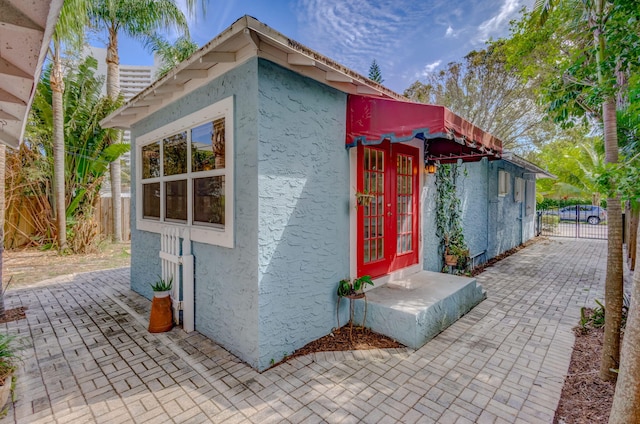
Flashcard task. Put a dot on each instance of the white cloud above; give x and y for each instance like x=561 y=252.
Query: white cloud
x=429 y=68
x=497 y=24
x=358 y=31
x=450 y=33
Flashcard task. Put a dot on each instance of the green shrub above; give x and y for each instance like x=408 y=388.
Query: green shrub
x=550 y=222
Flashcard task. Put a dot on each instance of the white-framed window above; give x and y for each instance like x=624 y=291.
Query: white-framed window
x=518 y=192
x=504 y=183
x=185 y=175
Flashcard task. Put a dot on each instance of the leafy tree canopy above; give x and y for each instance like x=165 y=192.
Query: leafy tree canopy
x=491 y=95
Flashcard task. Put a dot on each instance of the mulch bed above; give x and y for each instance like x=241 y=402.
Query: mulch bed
x=585 y=398
x=14 y=314
x=341 y=339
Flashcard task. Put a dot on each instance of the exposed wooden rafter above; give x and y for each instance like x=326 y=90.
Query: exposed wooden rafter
x=8 y=68
x=338 y=77
x=8 y=116
x=218 y=57
x=300 y=60
x=7 y=97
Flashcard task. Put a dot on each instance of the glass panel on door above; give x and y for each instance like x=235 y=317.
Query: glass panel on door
x=373 y=219
x=404 y=201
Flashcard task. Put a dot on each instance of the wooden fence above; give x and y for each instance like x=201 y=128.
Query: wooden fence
x=19 y=228
x=102 y=216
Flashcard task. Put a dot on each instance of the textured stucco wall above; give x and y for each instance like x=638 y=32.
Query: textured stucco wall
x=226 y=290
x=505 y=214
x=491 y=224
x=303 y=180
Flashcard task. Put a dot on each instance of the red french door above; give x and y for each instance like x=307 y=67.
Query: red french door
x=388 y=222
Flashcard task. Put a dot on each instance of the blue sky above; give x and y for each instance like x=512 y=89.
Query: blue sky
x=406 y=37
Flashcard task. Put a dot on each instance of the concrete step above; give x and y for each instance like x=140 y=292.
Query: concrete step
x=414 y=309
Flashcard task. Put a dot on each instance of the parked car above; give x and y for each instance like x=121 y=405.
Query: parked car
x=587 y=213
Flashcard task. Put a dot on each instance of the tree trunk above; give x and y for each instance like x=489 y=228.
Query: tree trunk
x=113 y=91
x=57 y=89
x=614 y=279
x=626 y=400
x=3 y=162
x=632 y=246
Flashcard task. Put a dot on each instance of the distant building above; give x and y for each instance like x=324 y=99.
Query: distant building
x=133 y=79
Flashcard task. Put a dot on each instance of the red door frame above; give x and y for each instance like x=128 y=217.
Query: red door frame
x=386 y=207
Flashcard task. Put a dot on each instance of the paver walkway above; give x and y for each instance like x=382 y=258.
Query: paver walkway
x=88 y=357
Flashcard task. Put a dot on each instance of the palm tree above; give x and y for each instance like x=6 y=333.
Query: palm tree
x=68 y=30
x=138 y=19
x=87 y=152
x=171 y=54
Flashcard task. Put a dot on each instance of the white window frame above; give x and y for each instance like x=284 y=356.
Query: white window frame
x=197 y=232
x=504 y=183
x=518 y=193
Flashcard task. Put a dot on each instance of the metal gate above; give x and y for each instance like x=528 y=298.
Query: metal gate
x=577 y=221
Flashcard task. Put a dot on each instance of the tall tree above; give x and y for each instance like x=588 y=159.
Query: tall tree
x=374 y=72
x=138 y=19
x=170 y=54
x=626 y=400
x=87 y=153
x=491 y=95
x=577 y=159
x=69 y=30
x=587 y=83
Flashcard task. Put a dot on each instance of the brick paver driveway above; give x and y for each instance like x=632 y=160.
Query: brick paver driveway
x=89 y=358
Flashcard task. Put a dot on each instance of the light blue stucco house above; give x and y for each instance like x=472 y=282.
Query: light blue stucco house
x=252 y=151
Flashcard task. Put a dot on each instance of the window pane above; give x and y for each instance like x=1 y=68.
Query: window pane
x=219 y=142
x=202 y=158
x=151 y=161
x=176 y=200
x=208 y=200
x=175 y=154
x=151 y=200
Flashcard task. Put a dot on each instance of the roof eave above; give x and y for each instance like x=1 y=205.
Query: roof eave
x=523 y=163
x=249 y=38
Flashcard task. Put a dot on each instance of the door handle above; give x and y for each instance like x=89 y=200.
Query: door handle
x=389 y=213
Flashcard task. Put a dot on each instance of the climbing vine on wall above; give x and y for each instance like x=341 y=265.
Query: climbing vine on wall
x=449 y=214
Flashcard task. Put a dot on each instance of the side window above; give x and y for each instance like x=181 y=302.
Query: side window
x=530 y=204
x=504 y=183
x=185 y=175
x=518 y=193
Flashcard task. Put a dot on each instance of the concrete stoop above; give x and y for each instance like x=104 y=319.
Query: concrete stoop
x=416 y=308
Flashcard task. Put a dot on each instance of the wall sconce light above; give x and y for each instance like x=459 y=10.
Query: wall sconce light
x=430 y=167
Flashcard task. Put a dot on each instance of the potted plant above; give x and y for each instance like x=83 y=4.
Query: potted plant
x=353 y=288
x=8 y=359
x=161 y=319
x=456 y=251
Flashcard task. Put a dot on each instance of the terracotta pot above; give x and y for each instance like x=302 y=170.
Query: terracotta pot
x=451 y=260
x=5 y=390
x=161 y=316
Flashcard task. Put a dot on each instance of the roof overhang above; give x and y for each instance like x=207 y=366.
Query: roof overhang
x=244 y=39
x=448 y=137
x=25 y=31
x=528 y=166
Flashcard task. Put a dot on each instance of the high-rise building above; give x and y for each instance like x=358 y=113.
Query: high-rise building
x=133 y=79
